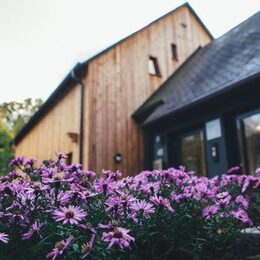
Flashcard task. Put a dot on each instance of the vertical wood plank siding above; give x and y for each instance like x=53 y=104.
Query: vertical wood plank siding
x=116 y=84
x=50 y=133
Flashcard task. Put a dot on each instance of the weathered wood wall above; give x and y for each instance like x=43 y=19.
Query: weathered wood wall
x=119 y=82
x=49 y=135
x=116 y=84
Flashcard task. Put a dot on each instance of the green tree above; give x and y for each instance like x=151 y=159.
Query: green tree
x=16 y=114
x=6 y=151
x=13 y=116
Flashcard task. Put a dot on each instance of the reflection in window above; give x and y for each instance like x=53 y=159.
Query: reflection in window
x=249 y=136
x=193 y=153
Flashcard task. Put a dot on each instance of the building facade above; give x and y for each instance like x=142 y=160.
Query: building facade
x=89 y=116
x=206 y=116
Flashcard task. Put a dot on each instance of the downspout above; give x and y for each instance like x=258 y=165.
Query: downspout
x=81 y=127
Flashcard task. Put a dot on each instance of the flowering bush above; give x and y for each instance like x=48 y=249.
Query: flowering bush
x=57 y=210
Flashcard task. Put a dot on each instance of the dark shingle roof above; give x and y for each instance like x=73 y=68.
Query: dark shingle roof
x=224 y=62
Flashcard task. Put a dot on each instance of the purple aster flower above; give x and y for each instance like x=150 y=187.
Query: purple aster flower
x=163 y=202
x=150 y=188
x=138 y=180
x=4 y=238
x=223 y=198
x=103 y=185
x=222 y=195
x=142 y=207
x=233 y=170
x=30 y=162
x=86 y=248
x=125 y=198
x=63 y=198
x=111 y=225
x=36 y=226
x=188 y=192
x=247 y=183
x=88 y=174
x=89 y=194
x=202 y=190
x=88 y=227
x=240 y=199
x=60 y=247
x=9 y=189
x=119 y=236
x=71 y=214
x=113 y=203
x=78 y=192
x=176 y=197
x=112 y=175
x=37 y=186
x=224 y=202
x=125 y=182
x=19 y=161
x=51 y=176
x=242 y=216
x=210 y=211
x=14 y=175
x=27 y=198
x=18 y=219
x=61 y=155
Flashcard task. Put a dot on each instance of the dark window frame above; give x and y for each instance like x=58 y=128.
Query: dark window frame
x=174 y=51
x=174 y=144
x=183 y=24
x=244 y=160
x=155 y=62
x=194 y=131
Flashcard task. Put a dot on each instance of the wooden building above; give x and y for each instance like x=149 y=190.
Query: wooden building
x=89 y=116
x=206 y=116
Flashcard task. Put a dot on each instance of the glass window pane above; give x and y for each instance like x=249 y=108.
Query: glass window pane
x=251 y=127
x=193 y=153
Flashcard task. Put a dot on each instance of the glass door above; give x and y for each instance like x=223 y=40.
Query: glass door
x=249 y=141
x=193 y=152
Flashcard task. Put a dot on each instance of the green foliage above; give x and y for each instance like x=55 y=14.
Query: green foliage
x=6 y=150
x=13 y=116
x=16 y=114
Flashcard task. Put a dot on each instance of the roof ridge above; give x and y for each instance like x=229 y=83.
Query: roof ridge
x=239 y=25
x=62 y=85
x=222 y=54
x=148 y=25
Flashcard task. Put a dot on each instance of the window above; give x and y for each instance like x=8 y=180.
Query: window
x=184 y=25
x=174 y=52
x=193 y=153
x=249 y=140
x=153 y=66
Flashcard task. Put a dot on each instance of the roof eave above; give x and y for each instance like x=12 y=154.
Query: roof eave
x=64 y=85
x=148 y=25
x=200 y=101
x=143 y=106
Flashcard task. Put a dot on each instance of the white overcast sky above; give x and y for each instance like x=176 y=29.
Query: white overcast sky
x=41 y=40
